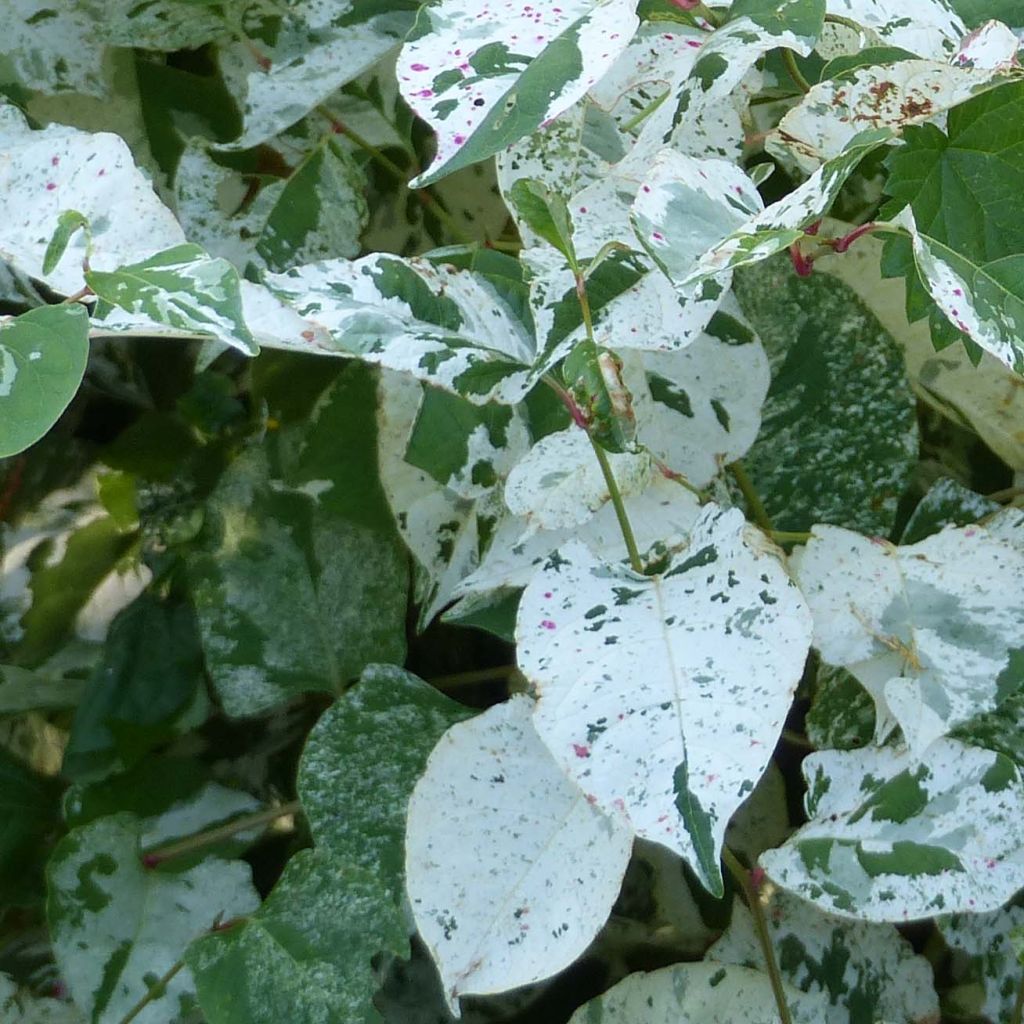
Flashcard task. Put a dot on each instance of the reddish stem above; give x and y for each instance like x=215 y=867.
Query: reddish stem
x=844 y=243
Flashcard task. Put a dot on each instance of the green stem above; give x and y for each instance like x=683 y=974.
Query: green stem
x=644 y=113
x=754 y=504
x=384 y=161
x=1018 y=1007
x=790 y=536
x=215 y=835
x=625 y=527
x=742 y=876
x=789 y=59
x=838 y=19
x=155 y=991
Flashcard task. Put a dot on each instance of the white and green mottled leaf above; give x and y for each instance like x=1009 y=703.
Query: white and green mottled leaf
x=985 y=974
x=892 y=96
x=306 y=954
x=511 y=869
x=116 y=925
x=184 y=288
x=42 y=361
x=354 y=799
x=639 y=677
x=559 y=482
x=985 y=301
x=934 y=32
x=483 y=78
x=311 y=52
x=893 y=838
x=699 y=408
x=444 y=515
x=43 y=173
x=926 y=628
x=947 y=503
x=446 y=327
x=857 y=969
x=22 y=1007
x=695 y=993
x=842 y=713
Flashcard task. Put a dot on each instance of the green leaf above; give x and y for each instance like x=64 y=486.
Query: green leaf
x=183 y=288
x=29 y=817
x=319 y=214
x=483 y=78
x=21 y=690
x=961 y=188
x=306 y=954
x=927 y=628
x=355 y=799
x=546 y=214
x=511 y=869
x=857 y=970
x=838 y=385
x=151 y=667
x=977 y=12
x=632 y=732
x=801 y=17
x=67 y=224
x=892 y=838
x=42 y=361
x=117 y=927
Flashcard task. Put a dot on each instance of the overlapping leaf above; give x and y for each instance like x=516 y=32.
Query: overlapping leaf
x=511 y=869
x=639 y=677
x=927 y=628
x=894 y=838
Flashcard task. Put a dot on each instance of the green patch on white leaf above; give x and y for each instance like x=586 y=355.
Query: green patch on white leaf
x=893 y=838
x=483 y=78
x=306 y=954
x=934 y=32
x=511 y=869
x=985 y=974
x=853 y=969
x=356 y=800
x=117 y=926
x=842 y=713
x=42 y=361
x=697 y=993
x=639 y=677
x=928 y=628
x=47 y=172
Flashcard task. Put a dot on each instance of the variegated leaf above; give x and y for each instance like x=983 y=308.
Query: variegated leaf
x=484 y=77
x=984 y=971
x=448 y=328
x=984 y=301
x=934 y=32
x=697 y=993
x=44 y=173
x=640 y=677
x=892 y=96
x=184 y=288
x=559 y=482
x=446 y=496
x=858 y=969
x=894 y=838
x=926 y=628
x=511 y=870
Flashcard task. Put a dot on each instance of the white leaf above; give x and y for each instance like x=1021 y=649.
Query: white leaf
x=44 y=173
x=639 y=678
x=484 y=77
x=933 y=32
x=446 y=327
x=697 y=993
x=930 y=629
x=893 y=96
x=991 y=46
x=511 y=871
x=854 y=969
x=893 y=838
x=559 y=481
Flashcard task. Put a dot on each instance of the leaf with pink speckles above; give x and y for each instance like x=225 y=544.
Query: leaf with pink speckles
x=511 y=868
x=485 y=73
x=926 y=628
x=648 y=674
x=895 y=838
